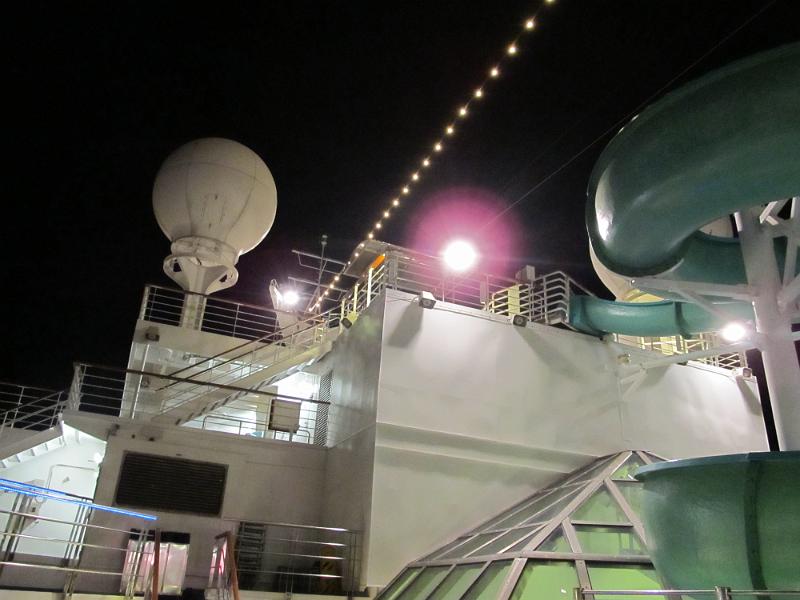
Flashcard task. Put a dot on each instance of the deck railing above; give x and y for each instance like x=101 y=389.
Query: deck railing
x=27 y=407
x=38 y=540
x=250 y=412
x=290 y=558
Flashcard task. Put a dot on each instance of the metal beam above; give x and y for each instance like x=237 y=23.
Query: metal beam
x=737 y=292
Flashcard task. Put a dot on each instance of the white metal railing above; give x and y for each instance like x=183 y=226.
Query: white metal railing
x=719 y=593
x=677 y=345
x=33 y=536
x=27 y=407
x=250 y=360
x=543 y=300
x=215 y=315
x=248 y=412
x=295 y=559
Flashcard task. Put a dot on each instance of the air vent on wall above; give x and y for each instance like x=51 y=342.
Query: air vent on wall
x=171 y=484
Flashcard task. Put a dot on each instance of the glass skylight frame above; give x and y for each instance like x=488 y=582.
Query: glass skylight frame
x=598 y=476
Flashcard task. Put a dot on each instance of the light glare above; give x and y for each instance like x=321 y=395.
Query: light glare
x=460 y=255
x=733 y=332
x=290 y=297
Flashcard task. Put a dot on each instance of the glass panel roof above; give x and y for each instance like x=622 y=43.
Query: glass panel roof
x=624 y=577
x=509 y=538
x=457 y=582
x=613 y=541
x=627 y=470
x=488 y=584
x=632 y=491
x=580 y=509
x=424 y=583
x=555 y=542
x=400 y=584
x=602 y=508
x=546 y=580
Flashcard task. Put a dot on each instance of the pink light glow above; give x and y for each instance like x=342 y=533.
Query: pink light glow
x=463 y=213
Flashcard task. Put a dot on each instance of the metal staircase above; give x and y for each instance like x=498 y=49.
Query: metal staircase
x=256 y=365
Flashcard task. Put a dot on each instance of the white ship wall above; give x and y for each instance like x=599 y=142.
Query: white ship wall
x=473 y=414
x=71 y=468
x=355 y=367
x=266 y=481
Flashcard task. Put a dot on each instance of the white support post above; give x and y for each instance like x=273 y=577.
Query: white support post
x=774 y=326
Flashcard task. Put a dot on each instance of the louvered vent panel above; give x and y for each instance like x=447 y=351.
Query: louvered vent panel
x=173 y=484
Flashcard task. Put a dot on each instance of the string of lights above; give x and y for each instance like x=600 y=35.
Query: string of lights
x=438 y=146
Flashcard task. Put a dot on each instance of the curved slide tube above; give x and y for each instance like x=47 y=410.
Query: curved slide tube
x=723 y=143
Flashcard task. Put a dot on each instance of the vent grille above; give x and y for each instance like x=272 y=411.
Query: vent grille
x=172 y=484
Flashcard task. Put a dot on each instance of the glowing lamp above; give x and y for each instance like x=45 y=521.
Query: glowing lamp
x=460 y=256
x=733 y=332
x=290 y=297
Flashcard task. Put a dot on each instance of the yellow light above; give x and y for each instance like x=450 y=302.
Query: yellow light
x=512 y=49
x=396 y=202
x=336 y=278
x=361 y=245
x=494 y=72
x=550 y=1
x=415 y=176
x=426 y=163
x=462 y=111
x=325 y=293
x=450 y=129
x=370 y=235
x=406 y=190
x=530 y=24
x=378 y=225
x=356 y=254
x=386 y=214
x=479 y=93
x=438 y=147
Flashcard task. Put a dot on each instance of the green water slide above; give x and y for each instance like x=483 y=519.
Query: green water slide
x=725 y=142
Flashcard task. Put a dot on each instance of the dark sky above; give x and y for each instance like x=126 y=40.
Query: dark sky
x=340 y=99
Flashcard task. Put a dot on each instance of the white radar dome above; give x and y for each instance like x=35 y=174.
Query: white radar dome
x=214 y=199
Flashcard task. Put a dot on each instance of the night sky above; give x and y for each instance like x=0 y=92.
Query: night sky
x=341 y=100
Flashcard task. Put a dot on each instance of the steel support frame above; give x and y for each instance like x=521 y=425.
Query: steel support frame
x=773 y=324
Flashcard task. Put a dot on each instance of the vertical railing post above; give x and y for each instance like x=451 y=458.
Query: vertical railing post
x=369 y=287
x=74 y=400
x=143 y=309
x=19 y=403
x=156 y=564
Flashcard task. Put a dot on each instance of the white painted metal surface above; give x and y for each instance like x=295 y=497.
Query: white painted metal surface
x=214 y=199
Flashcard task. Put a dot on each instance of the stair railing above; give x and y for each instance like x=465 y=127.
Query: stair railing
x=223 y=577
x=42 y=412
x=304 y=334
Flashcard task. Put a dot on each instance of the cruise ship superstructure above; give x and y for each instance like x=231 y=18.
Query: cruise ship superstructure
x=408 y=415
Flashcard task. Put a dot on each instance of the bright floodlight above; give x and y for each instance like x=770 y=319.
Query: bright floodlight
x=733 y=332
x=460 y=255
x=290 y=297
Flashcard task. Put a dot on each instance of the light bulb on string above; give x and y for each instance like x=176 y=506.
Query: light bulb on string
x=530 y=24
x=479 y=93
x=415 y=176
x=406 y=190
x=462 y=112
x=450 y=130
x=386 y=214
x=512 y=49
x=396 y=202
x=426 y=163
x=437 y=147
x=494 y=72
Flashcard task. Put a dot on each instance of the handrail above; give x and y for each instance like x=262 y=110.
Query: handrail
x=200 y=382
x=258 y=340
x=217 y=298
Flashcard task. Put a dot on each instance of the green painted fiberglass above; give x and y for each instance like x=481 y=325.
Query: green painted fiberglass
x=725 y=520
x=725 y=142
